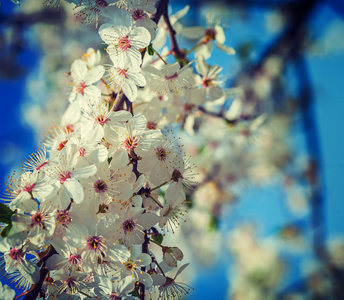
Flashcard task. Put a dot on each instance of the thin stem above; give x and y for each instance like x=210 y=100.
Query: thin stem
x=158 y=186
x=156 y=243
x=165 y=55
x=193 y=48
x=88 y=296
x=162 y=272
x=159 y=56
x=150 y=196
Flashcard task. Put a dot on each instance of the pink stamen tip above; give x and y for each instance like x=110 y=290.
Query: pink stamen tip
x=68 y=128
x=62 y=145
x=63 y=176
x=80 y=88
x=124 y=43
x=138 y=14
x=74 y=259
x=101 y=120
x=42 y=165
x=82 y=151
x=28 y=188
x=130 y=143
x=175 y=75
x=16 y=254
x=122 y=72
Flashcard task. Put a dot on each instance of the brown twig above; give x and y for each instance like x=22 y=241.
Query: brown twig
x=36 y=288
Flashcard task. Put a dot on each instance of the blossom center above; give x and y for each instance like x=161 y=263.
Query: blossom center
x=138 y=14
x=128 y=226
x=74 y=259
x=37 y=219
x=69 y=128
x=80 y=88
x=94 y=243
x=101 y=120
x=122 y=72
x=161 y=153
x=209 y=35
x=100 y=186
x=29 y=187
x=206 y=82
x=63 y=176
x=124 y=43
x=129 y=265
x=82 y=151
x=63 y=217
x=16 y=254
x=130 y=143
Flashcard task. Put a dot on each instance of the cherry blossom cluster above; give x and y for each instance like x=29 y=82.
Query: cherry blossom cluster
x=88 y=214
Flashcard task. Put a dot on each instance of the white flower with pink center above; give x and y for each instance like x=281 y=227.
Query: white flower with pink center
x=89 y=152
x=213 y=33
x=83 y=89
x=209 y=85
x=15 y=251
x=68 y=258
x=114 y=290
x=124 y=39
x=127 y=77
x=93 y=10
x=140 y=12
x=32 y=186
x=174 y=209
x=130 y=226
x=98 y=122
x=97 y=243
x=171 y=78
x=66 y=174
x=133 y=135
x=159 y=163
x=109 y=183
x=132 y=268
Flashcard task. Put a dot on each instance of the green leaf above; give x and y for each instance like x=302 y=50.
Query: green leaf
x=158 y=238
x=5 y=214
x=150 y=50
x=213 y=224
x=6 y=230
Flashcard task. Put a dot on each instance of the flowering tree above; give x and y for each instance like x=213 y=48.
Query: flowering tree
x=82 y=216
x=151 y=130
